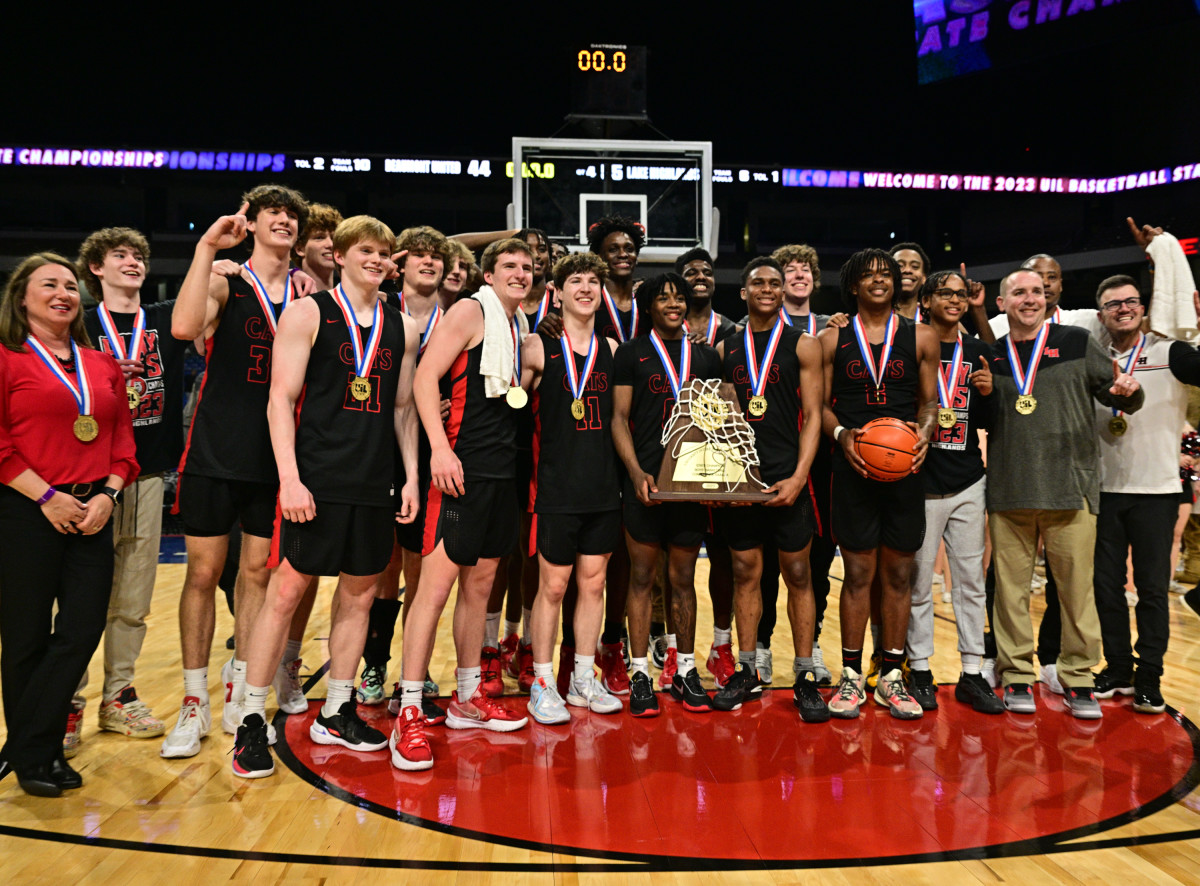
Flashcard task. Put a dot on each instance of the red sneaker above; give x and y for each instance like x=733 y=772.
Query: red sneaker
x=491 y=681
x=613 y=674
x=508 y=655
x=670 y=667
x=566 y=667
x=525 y=662
x=410 y=747
x=721 y=664
x=482 y=712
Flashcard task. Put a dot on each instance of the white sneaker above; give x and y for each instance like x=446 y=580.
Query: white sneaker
x=1177 y=588
x=820 y=672
x=947 y=597
x=288 y=691
x=987 y=670
x=1050 y=679
x=1131 y=599
x=546 y=705
x=1037 y=585
x=231 y=719
x=195 y=719
x=764 y=662
x=590 y=693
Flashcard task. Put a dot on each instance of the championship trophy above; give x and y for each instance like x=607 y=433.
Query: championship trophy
x=709 y=455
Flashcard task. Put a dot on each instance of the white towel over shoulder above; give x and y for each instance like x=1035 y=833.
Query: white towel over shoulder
x=496 y=364
x=1172 y=311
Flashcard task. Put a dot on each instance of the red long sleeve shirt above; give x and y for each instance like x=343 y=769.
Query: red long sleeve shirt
x=37 y=415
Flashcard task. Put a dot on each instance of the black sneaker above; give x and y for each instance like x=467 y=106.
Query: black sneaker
x=433 y=712
x=689 y=691
x=642 y=700
x=1018 y=698
x=1110 y=683
x=974 y=690
x=347 y=729
x=1146 y=697
x=808 y=700
x=251 y=755
x=742 y=686
x=1191 y=600
x=923 y=690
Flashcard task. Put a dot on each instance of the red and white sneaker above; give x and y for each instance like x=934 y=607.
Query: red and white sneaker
x=670 y=668
x=490 y=679
x=482 y=712
x=508 y=655
x=525 y=662
x=613 y=673
x=410 y=747
x=721 y=664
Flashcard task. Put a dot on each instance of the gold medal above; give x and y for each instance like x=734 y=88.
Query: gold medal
x=1026 y=403
x=1117 y=426
x=134 y=397
x=758 y=405
x=86 y=429
x=577 y=409
x=946 y=418
x=516 y=397
x=360 y=388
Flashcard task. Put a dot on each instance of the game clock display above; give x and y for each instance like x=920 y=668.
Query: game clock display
x=609 y=81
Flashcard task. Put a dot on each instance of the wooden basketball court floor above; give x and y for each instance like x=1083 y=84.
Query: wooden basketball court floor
x=754 y=796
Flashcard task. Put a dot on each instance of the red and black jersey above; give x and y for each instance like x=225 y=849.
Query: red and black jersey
x=345 y=446
x=574 y=463
x=854 y=397
x=482 y=430
x=776 y=431
x=606 y=329
x=229 y=438
x=637 y=365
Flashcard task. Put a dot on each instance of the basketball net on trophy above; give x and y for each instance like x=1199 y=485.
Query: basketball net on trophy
x=709 y=453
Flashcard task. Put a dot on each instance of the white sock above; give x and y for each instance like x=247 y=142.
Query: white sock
x=491 y=630
x=585 y=666
x=468 y=682
x=510 y=628
x=685 y=663
x=195 y=683
x=639 y=664
x=671 y=642
x=291 y=651
x=239 y=680
x=722 y=638
x=544 y=670
x=254 y=701
x=526 y=614
x=749 y=659
x=337 y=693
x=971 y=663
x=918 y=664
x=410 y=693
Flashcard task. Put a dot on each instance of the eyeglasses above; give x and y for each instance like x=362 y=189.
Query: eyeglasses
x=1113 y=306
x=951 y=294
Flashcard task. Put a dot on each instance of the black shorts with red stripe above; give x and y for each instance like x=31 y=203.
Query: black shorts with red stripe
x=480 y=524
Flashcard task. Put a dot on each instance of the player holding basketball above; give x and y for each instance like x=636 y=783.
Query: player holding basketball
x=880 y=365
x=577 y=512
x=471 y=510
x=777 y=372
x=649 y=373
x=346 y=361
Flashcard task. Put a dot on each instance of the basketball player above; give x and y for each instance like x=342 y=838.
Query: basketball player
x=113 y=262
x=458 y=268
x=342 y=358
x=777 y=373
x=230 y=476
x=880 y=365
x=704 y=324
x=471 y=509
x=650 y=370
x=577 y=513
x=313 y=252
x=914 y=265
x=954 y=487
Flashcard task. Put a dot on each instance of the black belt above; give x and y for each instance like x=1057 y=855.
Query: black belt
x=82 y=491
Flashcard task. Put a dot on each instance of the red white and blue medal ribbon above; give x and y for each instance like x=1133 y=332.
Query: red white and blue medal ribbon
x=86 y=428
x=864 y=345
x=947 y=387
x=543 y=307
x=812 y=320
x=759 y=372
x=114 y=338
x=677 y=379
x=615 y=315
x=577 y=380
x=1025 y=375
x=364 y=356
x=516 y=396
x=265 y=300
x=1117 y=424
x=1056 y=317
x=710 y=335
x=431 y=324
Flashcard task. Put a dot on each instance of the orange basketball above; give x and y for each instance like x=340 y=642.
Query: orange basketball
x=886 y=446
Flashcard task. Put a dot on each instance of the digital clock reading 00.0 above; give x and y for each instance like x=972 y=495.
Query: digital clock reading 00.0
x=598 y=60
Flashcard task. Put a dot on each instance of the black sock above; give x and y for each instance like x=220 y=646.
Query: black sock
x=891 y=661
x=381 y=628
x=612 y=632
x=852 y=658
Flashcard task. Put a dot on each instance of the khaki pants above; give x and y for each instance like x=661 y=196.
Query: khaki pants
x=137 y=529
x=1070 y=544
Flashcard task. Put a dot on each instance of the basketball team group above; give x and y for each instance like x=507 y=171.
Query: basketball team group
x=383 y=409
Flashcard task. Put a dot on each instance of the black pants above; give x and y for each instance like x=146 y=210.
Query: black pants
x=820 y=559
x=1145 y=524
x=43 y=655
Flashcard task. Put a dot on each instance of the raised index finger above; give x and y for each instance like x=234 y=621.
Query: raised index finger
x=245 y=207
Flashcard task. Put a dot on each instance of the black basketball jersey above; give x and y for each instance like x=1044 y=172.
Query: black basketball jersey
x=605 y=328
x=854 y=397
x=482 y=430
x=637 y=365
x=229 y=438
x=344 y=446
x=776 y=431
x=574 y=463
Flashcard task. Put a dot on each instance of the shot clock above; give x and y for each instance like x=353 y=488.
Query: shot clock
x=608 y=80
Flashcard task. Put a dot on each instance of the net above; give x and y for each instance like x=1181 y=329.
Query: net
x=727 y=452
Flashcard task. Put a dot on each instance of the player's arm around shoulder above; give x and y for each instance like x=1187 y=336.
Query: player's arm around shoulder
x=294 y=337
x=533 y=362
